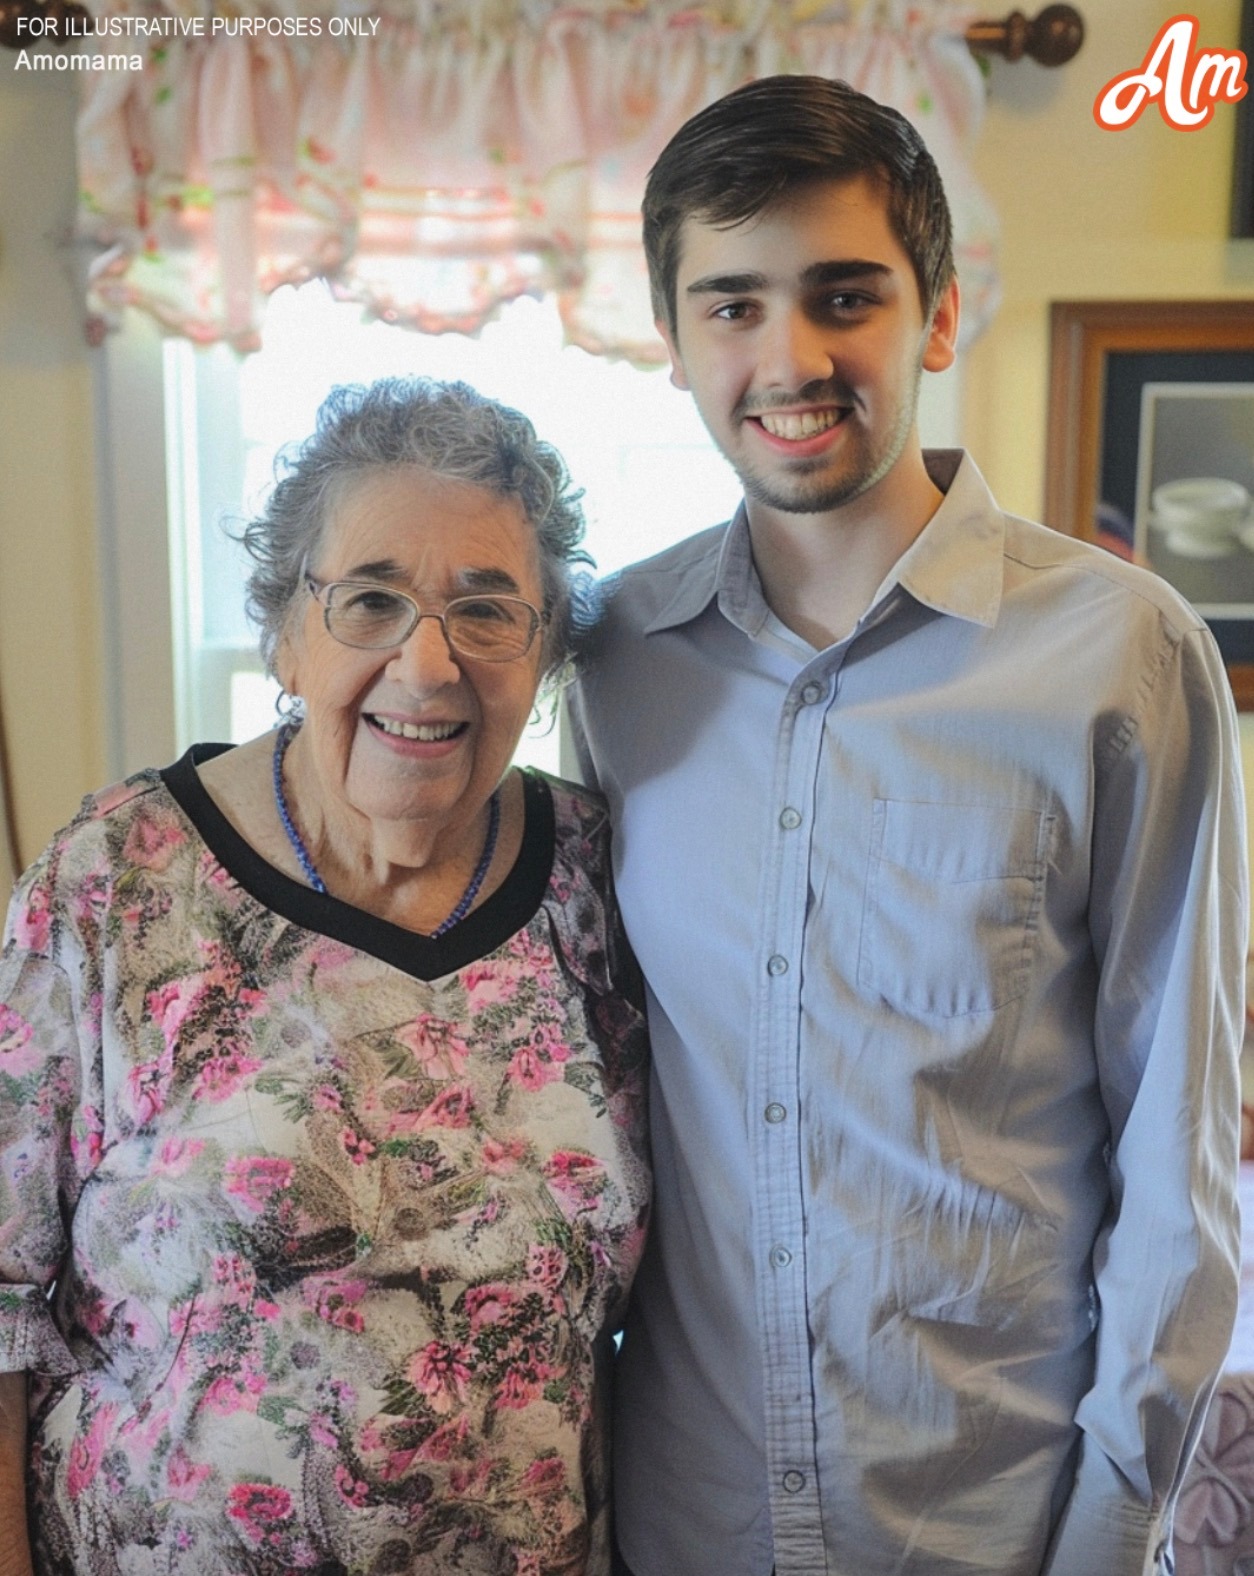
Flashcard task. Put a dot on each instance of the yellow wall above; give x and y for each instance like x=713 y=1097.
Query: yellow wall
x=1085 y=213
x=49 y=621
x=1088 y=213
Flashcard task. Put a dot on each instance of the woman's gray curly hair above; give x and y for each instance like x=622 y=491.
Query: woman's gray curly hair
x=447 y=428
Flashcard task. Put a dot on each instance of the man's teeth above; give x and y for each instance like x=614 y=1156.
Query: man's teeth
x=428 y=732
x=803 y=426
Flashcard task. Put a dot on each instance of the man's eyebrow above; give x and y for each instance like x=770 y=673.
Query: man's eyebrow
x=835 y=272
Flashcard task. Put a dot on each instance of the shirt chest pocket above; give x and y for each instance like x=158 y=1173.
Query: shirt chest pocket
x=953 y=898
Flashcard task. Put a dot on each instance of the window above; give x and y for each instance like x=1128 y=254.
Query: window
x=187 y=439
x=632 y=441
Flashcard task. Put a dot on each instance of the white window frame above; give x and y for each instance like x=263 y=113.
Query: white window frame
x=147 y=589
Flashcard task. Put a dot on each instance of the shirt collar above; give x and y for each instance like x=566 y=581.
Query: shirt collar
x=954 y=565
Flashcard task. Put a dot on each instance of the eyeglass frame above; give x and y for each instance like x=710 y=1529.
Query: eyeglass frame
x=317 y=587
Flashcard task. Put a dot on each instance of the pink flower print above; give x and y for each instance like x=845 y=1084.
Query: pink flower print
x=221 y=1076
x=255 y=1179
x=336 y=1301
x=151 y=843
x=147 y=1087
x=450 y=1108
x=435 y=1045
x=33 y=928
x=259 y=1508
x=517 y=1390
x=1214 y=1507
x=471 y=1481
x=544 y=1477
x=176 y=1155
x=184 y=1476
x=87 y=1139
x=352 y=1489
x=528 y=1071
x=396 y=1465
x=87 y=1450
x=17 y=1054
x=500 y=1157
x=439 y=1372
x=487 y=986
x=546 y=1266
x=326 y=1097
x=357 y=1148
x=488 y=1304
x=447 y=1441
x=91 y=899
x=322 y=1431
x=236 y=1392
x=170 y=1004
x=577 y=1179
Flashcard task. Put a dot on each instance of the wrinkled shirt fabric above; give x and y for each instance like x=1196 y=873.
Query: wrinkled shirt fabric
x=943 y=929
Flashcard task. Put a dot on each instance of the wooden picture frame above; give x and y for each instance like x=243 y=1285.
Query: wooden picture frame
x=1243 y=150
x=1101 y=354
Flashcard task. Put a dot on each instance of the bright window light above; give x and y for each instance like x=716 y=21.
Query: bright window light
x=632 y=441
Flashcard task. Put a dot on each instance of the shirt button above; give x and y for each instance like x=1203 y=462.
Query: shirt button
x=794 y=1482
x=780 y=1258
x=775 y=1112
x=777 y=965
x=812 y=694
x=790 y=819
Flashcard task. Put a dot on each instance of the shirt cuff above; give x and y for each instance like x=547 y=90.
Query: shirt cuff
x=1106 y=1525
x=29 y=1341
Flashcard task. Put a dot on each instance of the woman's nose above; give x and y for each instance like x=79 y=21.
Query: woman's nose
x=426 y=662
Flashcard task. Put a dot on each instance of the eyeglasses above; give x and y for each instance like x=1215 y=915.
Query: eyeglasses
x=370 y=617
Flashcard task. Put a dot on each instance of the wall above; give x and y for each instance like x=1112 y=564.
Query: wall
x=50 y=652
x=1085 y=213
x=1088 y=213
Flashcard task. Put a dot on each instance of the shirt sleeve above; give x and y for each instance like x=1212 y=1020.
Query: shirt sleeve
x=1168 y=918
x=48 y=1140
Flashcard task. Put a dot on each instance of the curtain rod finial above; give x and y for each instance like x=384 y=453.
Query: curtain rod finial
x=1051 y=39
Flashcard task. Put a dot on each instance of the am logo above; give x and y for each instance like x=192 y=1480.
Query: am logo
x=1185 y=82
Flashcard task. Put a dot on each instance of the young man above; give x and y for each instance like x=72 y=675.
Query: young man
x=929 y=838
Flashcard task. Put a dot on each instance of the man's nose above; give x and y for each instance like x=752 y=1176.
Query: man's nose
x=795 y=351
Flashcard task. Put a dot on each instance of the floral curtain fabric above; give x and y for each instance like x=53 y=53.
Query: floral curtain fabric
x=438 y=157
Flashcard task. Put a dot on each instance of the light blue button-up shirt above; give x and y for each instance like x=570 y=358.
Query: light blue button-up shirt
x=944 y=931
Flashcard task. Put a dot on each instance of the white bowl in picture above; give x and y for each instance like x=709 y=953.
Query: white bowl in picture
x=1201 y=515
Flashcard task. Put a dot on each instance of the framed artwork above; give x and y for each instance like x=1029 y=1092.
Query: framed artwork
x=1151 y=449
x=1243 y=153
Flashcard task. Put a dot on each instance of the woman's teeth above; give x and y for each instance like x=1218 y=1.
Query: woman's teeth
x=427 y=732
x=803 y=426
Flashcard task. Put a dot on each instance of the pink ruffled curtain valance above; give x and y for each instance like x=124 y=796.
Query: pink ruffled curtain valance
x=450 y=156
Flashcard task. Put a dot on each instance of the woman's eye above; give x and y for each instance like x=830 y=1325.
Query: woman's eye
x=371 y=602
x=483 y=610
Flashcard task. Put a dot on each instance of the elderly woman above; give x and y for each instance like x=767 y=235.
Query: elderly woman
x=321 y=1070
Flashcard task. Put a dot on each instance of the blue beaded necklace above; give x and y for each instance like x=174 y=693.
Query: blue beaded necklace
x=283 y=738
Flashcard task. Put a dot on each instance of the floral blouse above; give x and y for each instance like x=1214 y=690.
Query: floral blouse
x=340 y=1219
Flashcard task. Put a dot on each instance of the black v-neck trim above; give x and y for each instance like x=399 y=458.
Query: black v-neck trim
x=511 y=906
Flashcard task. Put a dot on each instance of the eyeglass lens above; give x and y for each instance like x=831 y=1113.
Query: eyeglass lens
x=494 y=628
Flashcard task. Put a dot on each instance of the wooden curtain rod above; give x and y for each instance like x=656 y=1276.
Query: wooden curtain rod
x=1052 y=38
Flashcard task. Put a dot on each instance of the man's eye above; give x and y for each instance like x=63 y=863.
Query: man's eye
x=733 y=311
x=846 y=301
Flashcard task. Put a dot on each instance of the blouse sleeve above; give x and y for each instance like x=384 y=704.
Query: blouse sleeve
x=49 y=1138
